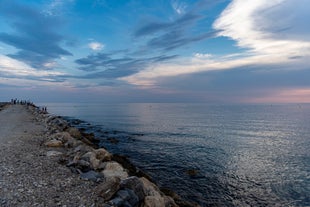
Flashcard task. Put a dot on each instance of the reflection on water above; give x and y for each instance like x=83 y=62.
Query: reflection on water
x=242 y=155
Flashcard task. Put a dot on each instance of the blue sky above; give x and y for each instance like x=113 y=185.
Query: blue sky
x=213 y=51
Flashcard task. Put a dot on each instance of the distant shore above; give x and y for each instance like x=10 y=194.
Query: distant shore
x=46 y=162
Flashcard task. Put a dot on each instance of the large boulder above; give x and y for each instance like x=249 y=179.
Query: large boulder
x=125 y=198
x=58 y=122
x=114 y=169
x=135 y=184
x=91 y=158
x=150 y=188
x=108 y=187
x=169 y=202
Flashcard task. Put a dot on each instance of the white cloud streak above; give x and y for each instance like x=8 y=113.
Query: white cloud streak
x=254 y=25
x=12 y=68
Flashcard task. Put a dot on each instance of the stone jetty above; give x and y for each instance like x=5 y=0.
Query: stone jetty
x=46 y=162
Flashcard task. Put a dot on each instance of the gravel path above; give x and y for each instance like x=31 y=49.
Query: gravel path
x=27 y=176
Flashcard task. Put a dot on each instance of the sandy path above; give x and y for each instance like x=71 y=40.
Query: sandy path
x=27 y=176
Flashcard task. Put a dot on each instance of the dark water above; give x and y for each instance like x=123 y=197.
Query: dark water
x=241 y=155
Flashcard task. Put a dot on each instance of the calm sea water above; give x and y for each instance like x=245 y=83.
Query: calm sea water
x=242 y=155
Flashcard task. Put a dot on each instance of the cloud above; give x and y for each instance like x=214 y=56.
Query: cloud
x=175 y=33
x=35 y=35
x=14 y=72
x=179 y=7
x=172 y=40
x=267 y=27
x=109 y=66
x=56 y=7
x=252 y=25
x=96 y=46
x=181 y=23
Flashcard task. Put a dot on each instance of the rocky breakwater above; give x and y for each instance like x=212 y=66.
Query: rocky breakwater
x=114 y=185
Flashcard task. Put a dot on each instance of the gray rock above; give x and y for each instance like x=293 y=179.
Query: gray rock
x=91 y=158
x=58 y=122
x=92 y=176
x=129 y=196
x=150 y=189
x=154 y=201
x=114 y=169
x=108 y=187
x=118 y=202
x=169 y=202
x=135 y=184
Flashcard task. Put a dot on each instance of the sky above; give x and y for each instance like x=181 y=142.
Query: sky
x=213 y=51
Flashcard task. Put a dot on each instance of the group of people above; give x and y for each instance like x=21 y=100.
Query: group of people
x=22 y=102
x=29 y=103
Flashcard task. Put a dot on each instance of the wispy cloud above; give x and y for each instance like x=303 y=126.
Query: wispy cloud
x=55 y=7
x=175 y=33
x=178 y=6
x=109 y=66
x=35 y=35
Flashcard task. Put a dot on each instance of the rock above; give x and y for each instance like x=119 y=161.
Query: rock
x=72 y=142
x=154 y=201
x=57 y=122
x=91 y=158
x=103 y=155
x=150 y=189
x=79 y=164
x=74 y=132
x=82 y=148
x=92 y=175
x=114 y=169
x=116 y=202
x=125 y=198
x=169 y=202
x=128 y=196
x=135 y=184
x=53 y=153
x=83 y=165
x=62 y=136
x=108 y=187
x=53 y=143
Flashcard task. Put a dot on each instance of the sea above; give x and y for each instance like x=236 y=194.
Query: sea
x=211 y=154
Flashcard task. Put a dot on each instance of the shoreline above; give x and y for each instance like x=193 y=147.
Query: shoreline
x=115 y=180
